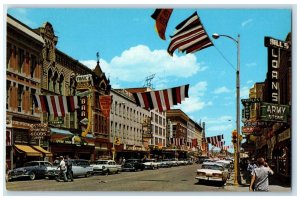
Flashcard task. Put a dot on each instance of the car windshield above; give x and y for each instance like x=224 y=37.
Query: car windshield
x=213 y=167
x=30 y=164
x=101 y=162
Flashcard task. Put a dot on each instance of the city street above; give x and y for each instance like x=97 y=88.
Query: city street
x=175 y=179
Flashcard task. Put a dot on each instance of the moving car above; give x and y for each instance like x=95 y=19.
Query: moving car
x=106 y=167
x=31 y=170
x=133 y=165
x=212 y=171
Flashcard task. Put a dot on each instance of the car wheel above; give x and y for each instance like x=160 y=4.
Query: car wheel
x=32 y=176
x=88 y=174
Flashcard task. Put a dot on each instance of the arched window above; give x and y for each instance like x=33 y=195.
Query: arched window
x=50 y=82
x=72 y=85
x=60 y=84
x=55 y=82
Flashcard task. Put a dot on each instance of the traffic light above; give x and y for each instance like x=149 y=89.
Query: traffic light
x=234 y=136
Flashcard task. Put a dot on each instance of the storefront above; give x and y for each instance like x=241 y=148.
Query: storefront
x=282 y=153
x=63 y=143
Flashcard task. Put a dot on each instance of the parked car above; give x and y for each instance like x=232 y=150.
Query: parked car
x=106 y=167
x=164 y=163
x=150 y=164
x=212 y=171
x=31 y=170
x=81 y=167
x=133 y=165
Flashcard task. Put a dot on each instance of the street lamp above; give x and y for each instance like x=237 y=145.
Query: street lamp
x=237 y=156
x=114 y=133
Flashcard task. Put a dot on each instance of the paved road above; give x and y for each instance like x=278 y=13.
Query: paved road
x=175 y=179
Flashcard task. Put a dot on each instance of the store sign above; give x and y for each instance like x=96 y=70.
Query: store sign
x=146 y=126
x=84 y=81
x=256 y=123
x=271 y=42
x=274 y=112
x=105 y=104
x=247 y=129
x=284 y=135
x=274 y=48
x=39 y=131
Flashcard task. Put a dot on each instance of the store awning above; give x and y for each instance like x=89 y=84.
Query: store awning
x=60 y=131
x=28 y=150
x=40 y=149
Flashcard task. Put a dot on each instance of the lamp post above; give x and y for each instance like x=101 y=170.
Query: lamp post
x=237 y=154
x=114 y=133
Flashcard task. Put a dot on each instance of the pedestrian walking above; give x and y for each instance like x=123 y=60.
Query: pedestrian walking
x=69 y=168
x=62 y=169
x=260 y=176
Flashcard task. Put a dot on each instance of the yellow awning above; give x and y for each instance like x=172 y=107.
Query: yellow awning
x=28 y=150
x=47 y=153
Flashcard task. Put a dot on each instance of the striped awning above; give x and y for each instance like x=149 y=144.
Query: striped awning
x=28 y=150
x=40 y=149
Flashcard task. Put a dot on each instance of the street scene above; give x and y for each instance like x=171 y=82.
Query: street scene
x=148 y=100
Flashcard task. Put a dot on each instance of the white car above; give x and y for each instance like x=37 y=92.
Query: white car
x=151 y=164
x=106 y=167
x=212 y=171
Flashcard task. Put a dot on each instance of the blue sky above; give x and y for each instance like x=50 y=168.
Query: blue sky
x=130 y=50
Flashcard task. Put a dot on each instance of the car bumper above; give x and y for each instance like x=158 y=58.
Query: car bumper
x=208 y=178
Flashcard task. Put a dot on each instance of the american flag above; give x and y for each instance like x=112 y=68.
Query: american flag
x=190 y=36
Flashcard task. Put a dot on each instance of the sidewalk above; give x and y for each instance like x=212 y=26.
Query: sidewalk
x=276 y=184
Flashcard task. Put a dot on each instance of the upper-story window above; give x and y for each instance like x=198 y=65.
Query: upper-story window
x=7 y=93
x=32 y=65
x=20 y=60
x=72 y=85
x=60 y=84
x=55 y=82
x=20 y=97
x=50 y=81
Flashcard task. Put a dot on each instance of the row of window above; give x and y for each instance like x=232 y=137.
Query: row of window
x=21 y=57
x=126 y=112
x=158 y=119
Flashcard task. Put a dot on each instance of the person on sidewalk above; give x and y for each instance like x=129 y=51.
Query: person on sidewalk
x=69 y=168
x=260 y=176
x=63 y=169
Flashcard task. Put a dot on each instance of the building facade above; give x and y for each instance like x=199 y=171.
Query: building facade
x=23 y=79
x=126 y=133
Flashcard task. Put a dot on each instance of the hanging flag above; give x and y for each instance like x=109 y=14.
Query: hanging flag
x=214 y=139
x=190 y=36
x=161 y=17
x=161 y=99
x=56 y=105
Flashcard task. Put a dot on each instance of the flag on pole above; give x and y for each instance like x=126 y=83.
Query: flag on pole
x=161 y=99
x=190 y=36
x=161 y=17
x=56 y=105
